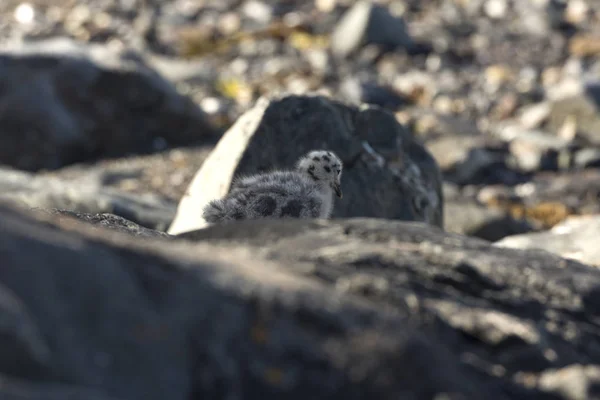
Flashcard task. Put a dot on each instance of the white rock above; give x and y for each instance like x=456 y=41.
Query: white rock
x=575 y=238
x=496 y=9
x=24 y=13
x=533 y=116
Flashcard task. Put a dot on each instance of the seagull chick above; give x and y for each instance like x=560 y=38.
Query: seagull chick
x=306 y=192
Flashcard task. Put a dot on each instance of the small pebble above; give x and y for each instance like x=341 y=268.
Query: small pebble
x=576 y=11
x=258 y=11
x=229 y=23
x=496 y=75
x=496 y=9
x=325 y=6
x=24 y=13
x=443 y=104
x=210 y=105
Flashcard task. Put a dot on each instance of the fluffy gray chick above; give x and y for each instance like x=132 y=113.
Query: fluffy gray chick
x=306 y=192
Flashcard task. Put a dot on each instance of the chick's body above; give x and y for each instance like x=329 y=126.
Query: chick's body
x=306 y=192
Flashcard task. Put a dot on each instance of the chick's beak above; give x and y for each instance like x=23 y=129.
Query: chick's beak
x=338 y=190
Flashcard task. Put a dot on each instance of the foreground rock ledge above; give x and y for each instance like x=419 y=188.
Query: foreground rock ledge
x=387 y=174
x=340 y=310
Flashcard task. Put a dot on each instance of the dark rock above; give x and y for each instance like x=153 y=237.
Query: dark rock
x=463 y=159
x=387 y=174
x=469 y=218
x=368 y=23
x=209 y=326
x=62 y=102
x=489 y=294
x=16 y=389
x=370 y=93
x=27 y=190
x=475 y=161
x=25 y=351
x=296 y=309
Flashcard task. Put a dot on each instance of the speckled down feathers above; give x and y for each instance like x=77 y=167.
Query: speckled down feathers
x=277 y=194
x=306 y=192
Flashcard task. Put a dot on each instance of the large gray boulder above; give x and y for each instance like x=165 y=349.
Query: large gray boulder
x=63 y=102
x=350 y=309
x=387 y=174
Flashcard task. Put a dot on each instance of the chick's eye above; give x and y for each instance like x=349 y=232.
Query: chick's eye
x=327 y=169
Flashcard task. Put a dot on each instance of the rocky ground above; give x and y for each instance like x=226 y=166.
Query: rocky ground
x=113 y=106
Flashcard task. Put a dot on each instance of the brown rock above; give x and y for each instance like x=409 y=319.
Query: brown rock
x=584 y=45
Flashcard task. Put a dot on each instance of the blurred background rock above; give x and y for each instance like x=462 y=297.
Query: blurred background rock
x=134 y=95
